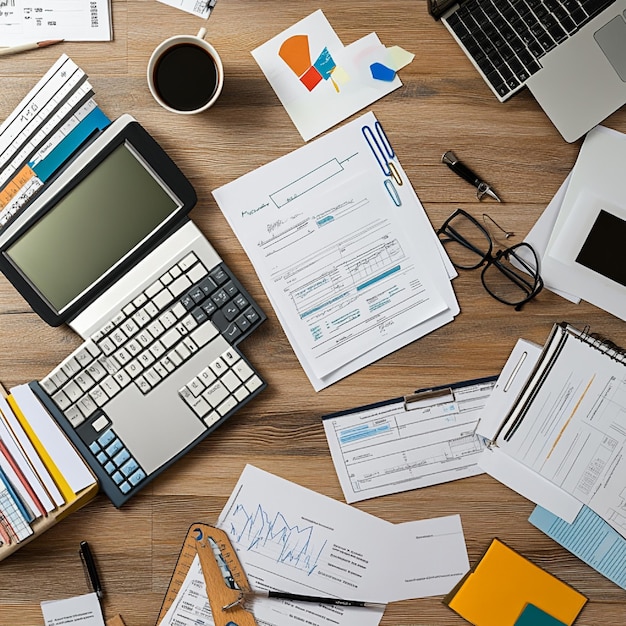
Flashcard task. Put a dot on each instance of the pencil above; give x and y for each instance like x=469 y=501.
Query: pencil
x=28 y=46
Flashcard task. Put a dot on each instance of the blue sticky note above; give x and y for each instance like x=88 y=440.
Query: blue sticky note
x=382 y=72
x=534 y=616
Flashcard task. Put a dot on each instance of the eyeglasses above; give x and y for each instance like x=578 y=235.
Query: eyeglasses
x=511 y=276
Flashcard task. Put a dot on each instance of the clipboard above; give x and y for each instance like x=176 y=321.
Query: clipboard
x=380 y=449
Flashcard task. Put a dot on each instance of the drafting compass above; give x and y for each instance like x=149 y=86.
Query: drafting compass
x=225 y=580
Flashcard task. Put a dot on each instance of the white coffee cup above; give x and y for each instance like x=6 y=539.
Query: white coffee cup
x=185 y=74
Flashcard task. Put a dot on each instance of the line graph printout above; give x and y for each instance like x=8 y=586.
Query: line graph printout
x=349 y=274
x=398 y=445
x=289 y=538
x=292 y=539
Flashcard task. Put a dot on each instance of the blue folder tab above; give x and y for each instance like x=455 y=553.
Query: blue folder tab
x=94 y=121
x=590 y=538
x=534 y=616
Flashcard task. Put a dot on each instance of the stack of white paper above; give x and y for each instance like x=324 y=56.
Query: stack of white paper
x=580 y=235
x=344 y=250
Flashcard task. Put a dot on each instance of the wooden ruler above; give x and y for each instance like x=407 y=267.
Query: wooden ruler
x=224 y=577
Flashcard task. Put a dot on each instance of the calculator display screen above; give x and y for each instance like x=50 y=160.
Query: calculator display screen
x=93 y=227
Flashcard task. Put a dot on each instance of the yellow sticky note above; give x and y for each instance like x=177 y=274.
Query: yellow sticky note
x=496 y=590
x=398 y=57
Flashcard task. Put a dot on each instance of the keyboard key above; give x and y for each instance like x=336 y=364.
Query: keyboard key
x=170 y=338
x=188 y=261
x=73 y=391
x=87 y=406
x=228 y=405
x=106 y=438
x=83 y=356
x=254 y=383
x=114 y=447
x=231 y=381
x=215 y=394
x=130 y=467
x=163 y=298
x=155 y=288
x=121 y=457
x=137 y=477
x=218 y=366
x=195 y=386
x=196 y=273
x=219 y=275
x=48 y=385
x=207 y=376
x=99 y=396
x=203 y=334
x=181 y=284
x=199 y=406
x=243 y=370
x=122 y=378
x=71 y=367
x=74 y=416
x=110 y=386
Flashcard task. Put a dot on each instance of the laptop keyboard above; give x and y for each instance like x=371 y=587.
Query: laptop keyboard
x=182 y=312
x=507 y=38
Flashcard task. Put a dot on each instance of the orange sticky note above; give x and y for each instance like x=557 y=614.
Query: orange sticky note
x=503 y=582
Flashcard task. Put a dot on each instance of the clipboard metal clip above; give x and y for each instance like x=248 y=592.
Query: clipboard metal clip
x=429 y=397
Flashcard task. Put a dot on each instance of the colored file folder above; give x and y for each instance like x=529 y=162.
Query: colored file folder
x=497 y=589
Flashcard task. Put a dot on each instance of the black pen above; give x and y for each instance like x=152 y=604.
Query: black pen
x=87 y=557
x=482 y=188
x=297 y=597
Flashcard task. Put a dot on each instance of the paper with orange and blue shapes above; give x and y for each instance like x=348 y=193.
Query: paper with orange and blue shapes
x=321 y=82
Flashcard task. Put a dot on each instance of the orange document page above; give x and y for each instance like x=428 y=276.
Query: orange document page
x=503 y=582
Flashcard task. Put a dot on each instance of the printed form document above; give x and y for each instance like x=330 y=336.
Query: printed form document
x=343 y=249
x=407 y=443
x=28 y=21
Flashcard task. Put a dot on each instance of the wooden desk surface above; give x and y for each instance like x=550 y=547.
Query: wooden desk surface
x=443 y=105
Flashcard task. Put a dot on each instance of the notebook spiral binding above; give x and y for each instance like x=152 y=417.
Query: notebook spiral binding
x=604 y=345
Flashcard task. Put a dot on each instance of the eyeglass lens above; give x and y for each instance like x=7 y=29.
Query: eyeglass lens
x=506 y=281
x=466 y=243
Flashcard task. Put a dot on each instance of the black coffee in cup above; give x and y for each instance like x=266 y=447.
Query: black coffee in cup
x=185 y=77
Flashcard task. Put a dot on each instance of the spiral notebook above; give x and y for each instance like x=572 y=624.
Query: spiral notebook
x=568 y=423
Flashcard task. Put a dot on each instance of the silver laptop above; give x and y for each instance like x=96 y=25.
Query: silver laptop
x=108 y=248
x=571 y=54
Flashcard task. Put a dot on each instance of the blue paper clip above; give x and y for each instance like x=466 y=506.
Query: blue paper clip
x=393 y=192
x=383 y=153
x=380 y=147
